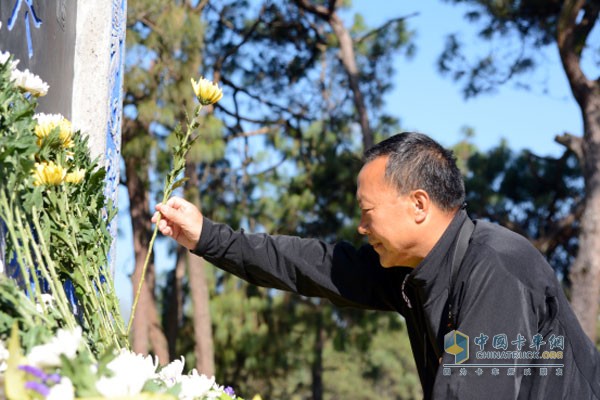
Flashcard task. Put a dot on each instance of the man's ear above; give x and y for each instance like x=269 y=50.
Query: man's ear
x=421 y=204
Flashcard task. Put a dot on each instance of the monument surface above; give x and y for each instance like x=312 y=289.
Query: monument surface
x=77 y=47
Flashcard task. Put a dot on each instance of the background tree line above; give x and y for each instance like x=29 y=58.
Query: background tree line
x=280 y=153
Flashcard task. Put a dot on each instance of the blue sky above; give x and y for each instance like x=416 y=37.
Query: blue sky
x=428 y=102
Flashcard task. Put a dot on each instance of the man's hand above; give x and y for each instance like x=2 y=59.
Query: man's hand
x=181 y=220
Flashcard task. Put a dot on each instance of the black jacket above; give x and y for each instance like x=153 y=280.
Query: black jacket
x=521 y=332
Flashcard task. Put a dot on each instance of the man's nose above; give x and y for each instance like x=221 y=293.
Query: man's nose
x=362 y=227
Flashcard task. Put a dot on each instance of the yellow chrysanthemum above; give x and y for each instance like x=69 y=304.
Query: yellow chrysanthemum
x=75 y=176
x=48 y=173
x=48 y=122
x=206 y=91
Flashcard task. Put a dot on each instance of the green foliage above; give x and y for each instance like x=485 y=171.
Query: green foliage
x=530 y=194
x=55 y=223
x=17 y=144
x=279 y=154
x=266 y=342
x=384 y=370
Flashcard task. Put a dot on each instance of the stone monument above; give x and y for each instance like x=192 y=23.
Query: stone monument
x=77 y=47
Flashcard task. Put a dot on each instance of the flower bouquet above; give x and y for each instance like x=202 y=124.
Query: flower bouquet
x=61 y=332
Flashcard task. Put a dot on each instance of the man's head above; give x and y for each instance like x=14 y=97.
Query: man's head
x=408 y=189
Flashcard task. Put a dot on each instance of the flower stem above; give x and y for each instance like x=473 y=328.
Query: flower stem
x=142 y=278
x=58 y=290
x=185 y=142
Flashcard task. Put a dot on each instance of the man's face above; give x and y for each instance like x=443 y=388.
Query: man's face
x=387 y=217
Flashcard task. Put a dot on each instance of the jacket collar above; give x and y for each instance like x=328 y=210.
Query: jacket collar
x=432 y=276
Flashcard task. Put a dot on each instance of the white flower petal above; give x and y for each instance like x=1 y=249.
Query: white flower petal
x=130 y=372
x=62 y=391
x=29 y=82
x=171 y=373
x=3 y=356
x=48 y=355
x=4 y=57
x=195 y=386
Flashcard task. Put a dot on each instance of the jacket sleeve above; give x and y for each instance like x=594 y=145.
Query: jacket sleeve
x=310 y=267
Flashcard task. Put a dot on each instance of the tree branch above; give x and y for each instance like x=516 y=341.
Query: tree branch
x=318 y=10
x=562 y=228
x=569 y=50
x=573 y=143
x=587 y=23
x=261 y=99
x=383 y=27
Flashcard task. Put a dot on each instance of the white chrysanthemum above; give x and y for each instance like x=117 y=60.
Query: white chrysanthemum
x=171 y=373
x=130 y=372
x=62 y=391
x=48 y=355
x=3 y=356
x=195 y=386
x=29 y=82
x=48 y=301
x=4 y=56
x=48 y=119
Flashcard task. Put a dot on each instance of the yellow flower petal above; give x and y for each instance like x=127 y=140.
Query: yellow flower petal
x=206 y=91
x=48 y=174
x=75 y=176
x=46 y=123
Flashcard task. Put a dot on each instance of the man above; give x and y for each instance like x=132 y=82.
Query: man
x=485 y=313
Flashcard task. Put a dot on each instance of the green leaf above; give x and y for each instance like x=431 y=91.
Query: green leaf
x=179 y=183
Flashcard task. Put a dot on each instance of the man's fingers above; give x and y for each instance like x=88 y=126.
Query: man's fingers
x=169 y=212
x=165 y=229
x=177 y=203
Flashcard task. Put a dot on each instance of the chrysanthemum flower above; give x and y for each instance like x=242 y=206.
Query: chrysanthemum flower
x=4 y=354
x=48 y=173
x=48 y=355
x=206 y=91
x=130 y=373
x=29 y=82
x=195 y=385
x=63 y=390
x=75 y=176
x=46 y=123
x=4 y=56
x=171 y=373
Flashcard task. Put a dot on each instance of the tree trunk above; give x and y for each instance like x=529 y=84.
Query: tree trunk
x=173 y=314
x=144 y=329
x=138 y=206
x=204 y=347
x=205 y=360
x=348 y=59
x=158 y=341
x=585 y=271
x=317 y=364
x=349 y=62
x=574 y=25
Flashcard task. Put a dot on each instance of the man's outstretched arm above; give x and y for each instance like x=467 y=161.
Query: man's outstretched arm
x=339 y=272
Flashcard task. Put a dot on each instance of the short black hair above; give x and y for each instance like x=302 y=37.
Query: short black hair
x=416 y=161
